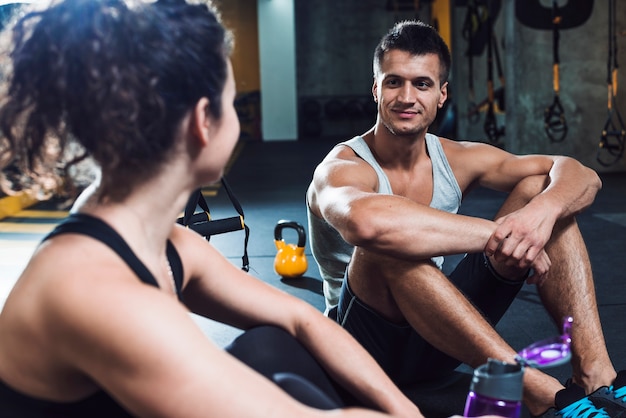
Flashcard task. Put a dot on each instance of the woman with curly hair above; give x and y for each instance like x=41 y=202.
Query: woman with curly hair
x=98 y=323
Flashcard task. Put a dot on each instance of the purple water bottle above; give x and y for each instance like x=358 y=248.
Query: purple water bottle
x=496 y=389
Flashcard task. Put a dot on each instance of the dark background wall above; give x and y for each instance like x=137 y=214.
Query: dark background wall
x=335 y=42
x=527 y=57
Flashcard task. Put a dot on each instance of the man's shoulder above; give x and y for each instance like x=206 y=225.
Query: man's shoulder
x=451 y=145
x=354 y=142
x=348 y=149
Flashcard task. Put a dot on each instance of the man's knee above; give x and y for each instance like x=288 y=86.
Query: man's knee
x=531 y=186
x=523 y=193
x=386 y=269
x=402 y=271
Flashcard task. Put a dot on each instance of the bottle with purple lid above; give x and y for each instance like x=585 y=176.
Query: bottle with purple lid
x=496 y=387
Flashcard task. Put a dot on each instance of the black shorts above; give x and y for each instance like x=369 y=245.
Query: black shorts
x=404 y=355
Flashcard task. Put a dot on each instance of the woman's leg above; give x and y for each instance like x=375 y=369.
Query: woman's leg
x=278 y=356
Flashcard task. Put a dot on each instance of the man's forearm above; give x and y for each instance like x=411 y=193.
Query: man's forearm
x=573 y=187
x=401 y=228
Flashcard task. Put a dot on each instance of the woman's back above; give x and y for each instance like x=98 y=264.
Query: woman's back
x=117 y=82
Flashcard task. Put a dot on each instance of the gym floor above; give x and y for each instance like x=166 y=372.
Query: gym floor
x=270 y=178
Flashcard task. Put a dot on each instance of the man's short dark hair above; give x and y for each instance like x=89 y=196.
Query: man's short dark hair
x=416 y=38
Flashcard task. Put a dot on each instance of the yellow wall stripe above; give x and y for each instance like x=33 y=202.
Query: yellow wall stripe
x=10 y=205
x=25 y=228
x=48 y=214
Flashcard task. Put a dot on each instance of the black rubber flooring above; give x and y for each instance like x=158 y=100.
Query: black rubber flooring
x=270 y=180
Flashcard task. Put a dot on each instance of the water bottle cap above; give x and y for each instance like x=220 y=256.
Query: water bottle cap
x=550 y=352
x=499 y=380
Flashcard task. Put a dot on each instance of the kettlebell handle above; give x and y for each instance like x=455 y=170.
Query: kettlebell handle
x=282 y=224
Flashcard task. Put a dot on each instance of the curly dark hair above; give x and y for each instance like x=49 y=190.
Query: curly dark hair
x=115 y=75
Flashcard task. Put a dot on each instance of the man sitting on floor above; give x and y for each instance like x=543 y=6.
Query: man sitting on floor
x=383 y=211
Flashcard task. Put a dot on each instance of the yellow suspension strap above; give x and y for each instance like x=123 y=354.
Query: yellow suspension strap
x=554 y=115
x=613 y=137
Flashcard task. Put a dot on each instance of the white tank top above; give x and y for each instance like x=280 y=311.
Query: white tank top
x=333 y=254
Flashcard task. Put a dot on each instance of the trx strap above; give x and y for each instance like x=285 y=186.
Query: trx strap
x=554 y=116
x=472 y=25
x=491 y=126
x=202 y=223
x=613 y=138
x=473 y=114
x=478 y=31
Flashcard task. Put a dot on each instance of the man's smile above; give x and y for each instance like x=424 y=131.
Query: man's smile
x=405 y=113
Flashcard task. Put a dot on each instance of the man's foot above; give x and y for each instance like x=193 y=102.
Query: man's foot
x=571 y=402
x=613 y=398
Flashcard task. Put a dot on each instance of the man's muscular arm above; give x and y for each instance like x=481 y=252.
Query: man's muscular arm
x=344 y=193
x=566 y=188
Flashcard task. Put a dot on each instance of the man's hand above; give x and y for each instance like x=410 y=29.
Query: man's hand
x=518 y=243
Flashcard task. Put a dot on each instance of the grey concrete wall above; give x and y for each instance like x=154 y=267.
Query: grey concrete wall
x=527 y=57
x=335 y=42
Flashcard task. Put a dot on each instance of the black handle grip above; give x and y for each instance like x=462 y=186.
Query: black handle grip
x=282 y=224
x=196 y=218
x=218 y=226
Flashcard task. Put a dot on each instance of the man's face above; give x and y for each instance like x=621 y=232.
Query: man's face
x=407 y=91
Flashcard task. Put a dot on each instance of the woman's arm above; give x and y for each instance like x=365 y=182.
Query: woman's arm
x=140 y=345
x=227 y=294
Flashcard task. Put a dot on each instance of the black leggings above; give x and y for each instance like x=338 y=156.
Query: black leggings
x=278 y=356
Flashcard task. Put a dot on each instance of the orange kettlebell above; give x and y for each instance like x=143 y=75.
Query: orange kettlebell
x=290 y=261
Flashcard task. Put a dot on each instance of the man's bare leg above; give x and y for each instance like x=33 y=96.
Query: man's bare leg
x=421 y=294
x=568 y=290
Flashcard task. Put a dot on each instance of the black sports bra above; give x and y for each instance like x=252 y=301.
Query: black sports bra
x=80 y=223
x=14 y=404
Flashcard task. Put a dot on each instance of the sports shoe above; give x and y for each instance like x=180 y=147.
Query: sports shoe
x=571 y=402
x=613 y=398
